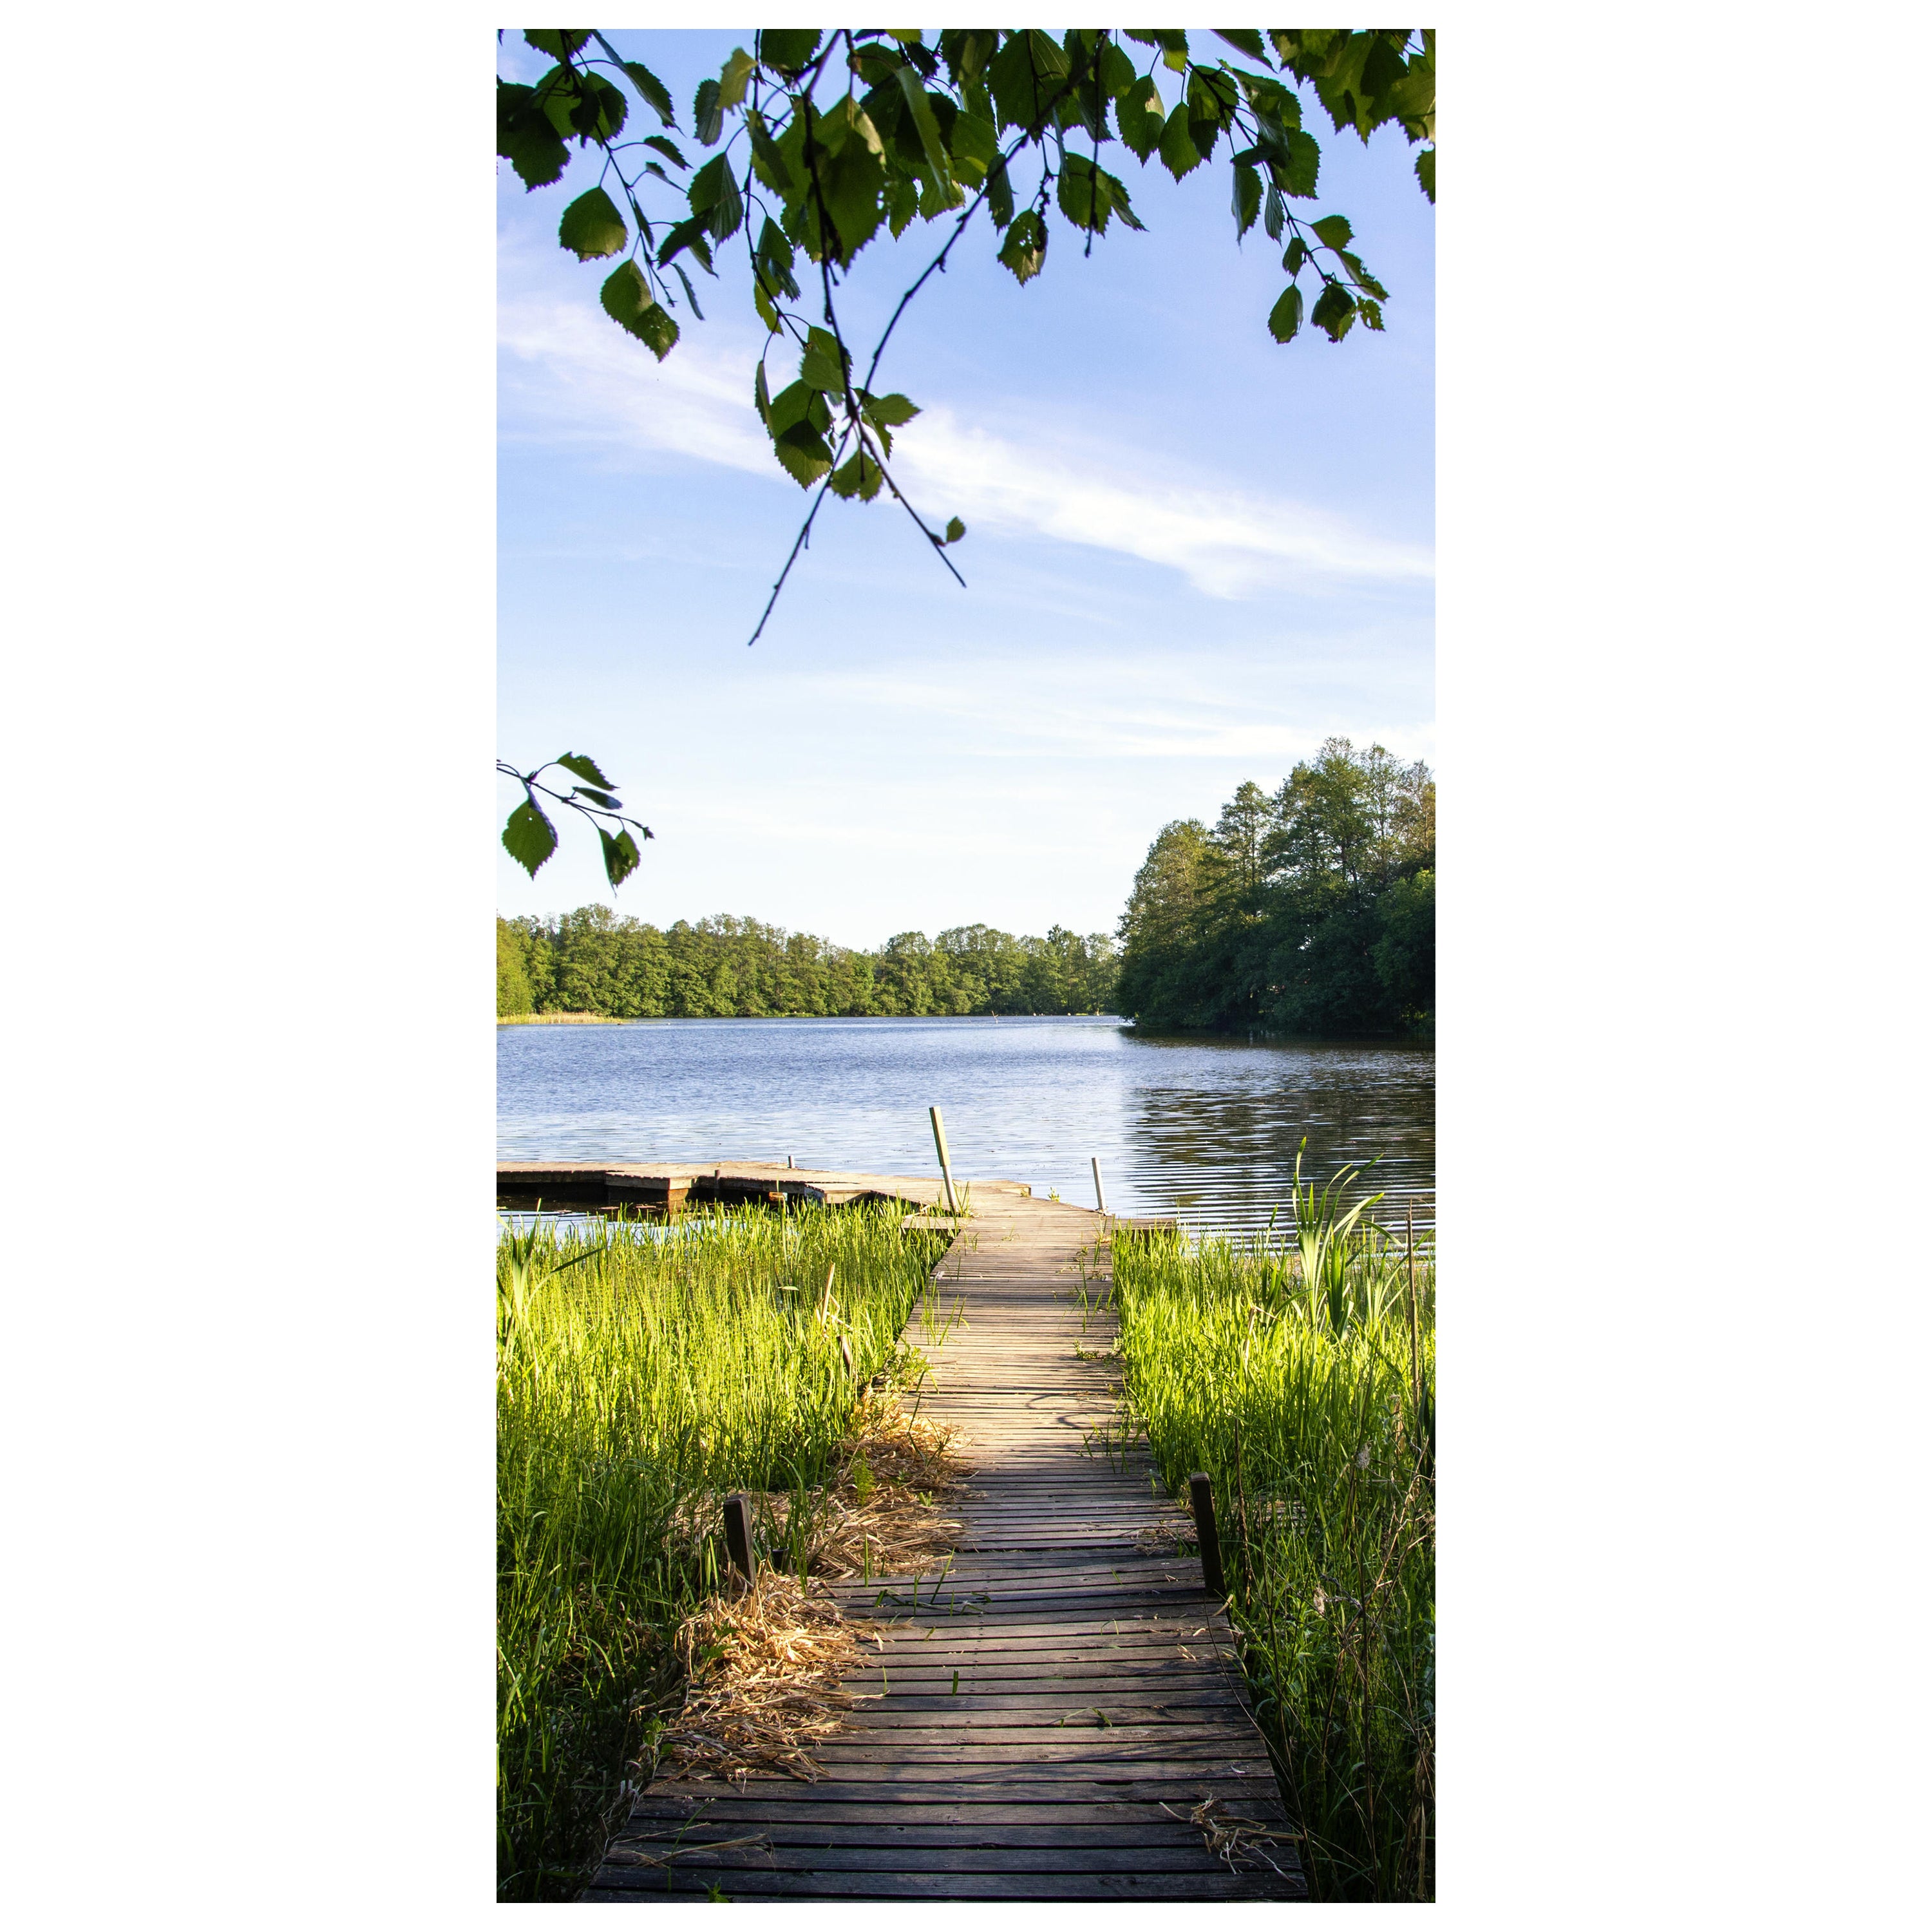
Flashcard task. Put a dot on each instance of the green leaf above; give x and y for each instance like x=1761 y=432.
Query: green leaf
x=775 y=255
x=707 y=117
x=1296 y=174
x=974 y=145
x=1089 y=195
x=999 y=195
x=798 y=403
x=669 y=149
x=1359 y=275
x=901 y=202
x=604 y=800
x=1334 y=311
x=1025 y=249
x=920 y=108
x=620 y=856
x=1143 y=117
x=580 y=765
x=1274 y=216
x=891 y=411
x=690 y=293
x=821 y=367
x=686 y=235
x=528 y=837
x=586 y=105
x=653 y=91
x=762 y=396
x=526 y=139
x=860 y=477
x=1333 y=229
x=955 y=530
x=968 y=49
x=788 y=50
x=1425 y=173
x=1177 y=144
x=559 y=42
x=714 y=195
x=1247 y=41
x=1285 y=318
x=1026 y=75
x=804 y=453
x=592 y=226
x=628 y=302
x=773 y=164
x=1247 y=198
x=853 y=183
x=1296 y=253
x=735 y=77
x=1116 y=70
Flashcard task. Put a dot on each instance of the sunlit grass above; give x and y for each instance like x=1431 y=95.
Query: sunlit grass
x=1302 y=1380
x=642 y=1373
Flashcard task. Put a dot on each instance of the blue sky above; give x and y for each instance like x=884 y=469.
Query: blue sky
x=1192 y=554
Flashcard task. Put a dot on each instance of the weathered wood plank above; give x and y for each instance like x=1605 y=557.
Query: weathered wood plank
x=1042 y=1710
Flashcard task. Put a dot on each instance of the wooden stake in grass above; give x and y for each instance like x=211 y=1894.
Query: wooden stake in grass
x=945 y=1161
x=738 y=1534
x=1415 y=1317
x=1201 y=1494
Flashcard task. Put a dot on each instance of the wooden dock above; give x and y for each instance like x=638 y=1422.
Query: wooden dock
x=1053 y=1710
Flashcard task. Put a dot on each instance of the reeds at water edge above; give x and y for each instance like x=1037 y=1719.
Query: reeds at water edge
x=1302 y=1379
x=644 y=1372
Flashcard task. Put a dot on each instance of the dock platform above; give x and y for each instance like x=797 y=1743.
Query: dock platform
x=1058 y=1713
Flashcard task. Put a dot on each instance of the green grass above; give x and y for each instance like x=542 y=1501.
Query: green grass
x=1302 y=1381
x=643 y=1371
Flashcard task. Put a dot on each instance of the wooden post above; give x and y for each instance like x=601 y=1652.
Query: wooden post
x=1415 y=1318
x=945 y=1161
x=1201 y=1493
x=738 y=1534
x=1099 y=1191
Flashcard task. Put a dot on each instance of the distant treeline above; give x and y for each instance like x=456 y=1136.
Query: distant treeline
x=1309 y=910
x=592 y=962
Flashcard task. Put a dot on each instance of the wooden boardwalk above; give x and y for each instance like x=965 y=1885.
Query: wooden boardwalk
x=1052 y=1708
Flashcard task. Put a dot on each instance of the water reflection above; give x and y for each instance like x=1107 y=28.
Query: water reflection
x=1206 y=1129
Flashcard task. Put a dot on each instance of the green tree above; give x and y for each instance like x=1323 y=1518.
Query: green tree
x=514 y=992
x=825 y=138
x=1309 y=911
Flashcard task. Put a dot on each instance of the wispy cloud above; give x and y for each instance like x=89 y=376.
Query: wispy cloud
x=570 y=374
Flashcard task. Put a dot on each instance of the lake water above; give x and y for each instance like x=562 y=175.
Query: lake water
x=1203 y=1128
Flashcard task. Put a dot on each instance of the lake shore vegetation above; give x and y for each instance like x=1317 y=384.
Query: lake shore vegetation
x=643 y=1373
x=1302 y=1380
x=1309 y=911
x=593 y=961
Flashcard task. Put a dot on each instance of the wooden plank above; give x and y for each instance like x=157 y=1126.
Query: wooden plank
x=613 y=1884
x=1044 y=1708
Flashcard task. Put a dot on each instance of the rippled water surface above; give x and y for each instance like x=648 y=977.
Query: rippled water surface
x=1203 y=1128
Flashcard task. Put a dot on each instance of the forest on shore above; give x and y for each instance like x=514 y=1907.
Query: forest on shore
x=1309 y=910
x=591 y=961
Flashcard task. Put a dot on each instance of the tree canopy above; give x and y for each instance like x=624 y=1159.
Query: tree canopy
x=590 y=961
x=1309 y=910
x=826 y=137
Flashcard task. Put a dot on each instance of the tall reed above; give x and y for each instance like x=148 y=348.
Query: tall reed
x=643 y=1371
x=1302 y=1379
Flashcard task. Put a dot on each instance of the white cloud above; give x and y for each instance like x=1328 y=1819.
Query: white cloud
x=582 y=379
